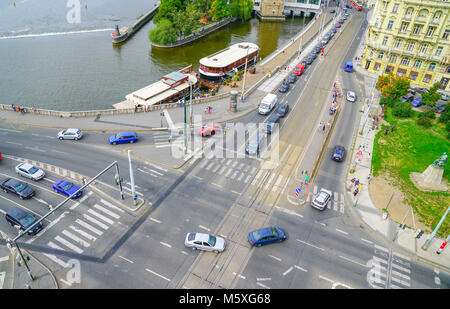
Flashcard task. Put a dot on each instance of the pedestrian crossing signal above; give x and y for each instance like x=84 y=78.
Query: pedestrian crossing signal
x=419 y=234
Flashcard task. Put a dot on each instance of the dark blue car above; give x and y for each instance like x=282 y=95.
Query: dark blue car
x=67 y=188
x=266 y=236
x=417 y=102
x=348 y=66
x=123 y=137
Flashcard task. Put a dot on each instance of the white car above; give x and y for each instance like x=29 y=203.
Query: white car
x=351 y=96
x=74 y=134
x=205 y=242
x=30 y=171
x=321 y=200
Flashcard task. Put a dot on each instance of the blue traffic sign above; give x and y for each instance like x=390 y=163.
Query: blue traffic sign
x=298 y=190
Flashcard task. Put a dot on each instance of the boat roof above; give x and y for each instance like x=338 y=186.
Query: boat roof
x=229 y=55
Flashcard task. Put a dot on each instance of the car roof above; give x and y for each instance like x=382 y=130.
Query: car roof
x=201 y=237
x=16 y=213
x=13 y=182
x=72 y=130
x=26 y=166
x=126 y=133
x=266 y=231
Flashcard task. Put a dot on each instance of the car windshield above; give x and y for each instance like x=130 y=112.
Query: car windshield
x=191 y=236
x=212 y=240
x=274 y=231
x=33 y=170
x=67 y=186
x=118 y=136
x=27 y=220
x=20 y=187
x=256 y=235
x=264 y=106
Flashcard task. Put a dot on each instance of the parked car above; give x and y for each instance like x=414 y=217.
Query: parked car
x=313 y=55
x=19 y=188
x=123 y=137
x=440 y=106
x=292 y=78
x=284 y=87
x=332 y=11
x=348 y=66
x=269 y=125
x=341 y=21
x=67 y=188
x=299 y=68
x=337 y=25
x=351 y=96
x=283 y=110
x=20 y=219
x=417 y=102
x=407 y=98
x=347 y=14
x=321 y=199
x=206 y=242
x=266 y=236
x=338 y=154
x=71 y=133
x=309 y=60
x=267 y=103
x=209 y=129
x=333 y=31
x=304 y=63
x=316 y=50
x=29 y=171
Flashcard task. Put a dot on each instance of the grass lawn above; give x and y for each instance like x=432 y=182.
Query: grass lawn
x=412 y=148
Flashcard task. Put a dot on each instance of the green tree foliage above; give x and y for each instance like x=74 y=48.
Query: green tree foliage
x=402 y=109
x=392 y=85
x=429 y=98
x=219 y=10
x=241 y=8
x=166 y=8
x=163 y=33
x=445 y=116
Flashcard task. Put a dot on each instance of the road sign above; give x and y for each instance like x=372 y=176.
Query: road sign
x=297 y=191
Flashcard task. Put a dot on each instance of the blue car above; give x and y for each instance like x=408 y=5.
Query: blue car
x=417 y=102
x=266 y=236
x=348 y=66
x=123 y=137
x=66 y=188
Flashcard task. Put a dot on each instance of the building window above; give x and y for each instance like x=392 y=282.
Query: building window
x=377 y=22
x=371 y=53
x=446 y=34
x=423 y=13
x=398 y=43
x=390 y=24
x=416 y=29
x=432 y=66
x=405 y=61
x=410 y=46
x=409 y=12
x=404 y=27
x=385 y=5
x=430 y=31
x=417 y=64
x=380 y=55
x=439 y=51
x=393 y=59
x=395 y=8
x=423 y=48
x=385 y=40
x=376 y=67
x=413 y=76
x=427 y=78
x=447 y=71
x=437 y=15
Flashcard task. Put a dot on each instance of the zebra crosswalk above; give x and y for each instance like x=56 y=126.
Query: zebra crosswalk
x=389 y=270
x=85 y=230
x=337 y=199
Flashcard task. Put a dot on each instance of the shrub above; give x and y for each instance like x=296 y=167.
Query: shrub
x=424 y=121
x=428 y=114
x=445 y=116
x=402 y=109
x=389 y=102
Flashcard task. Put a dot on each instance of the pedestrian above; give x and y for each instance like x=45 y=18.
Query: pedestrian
x=13 y=107
x=206 y=110
x=18 y=108
x=22 y=109
x=356 y=182
x=355 y=192
x=376 y=121
x=320 y=125
x=306 y=179
x=135 y=108
x=392 y=129
x=386 y=132
x=34 y=109
x=323 y=128
x=368 y=178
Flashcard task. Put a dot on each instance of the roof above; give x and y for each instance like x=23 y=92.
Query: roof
x=201 y=237
x=175 y=76
x=16 y=213
x=229 y=55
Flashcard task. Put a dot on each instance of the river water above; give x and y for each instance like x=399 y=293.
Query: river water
x=55 y=55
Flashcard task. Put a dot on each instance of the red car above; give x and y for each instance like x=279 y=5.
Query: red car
x=338 y=25
x=299 y=69
x=209 y=129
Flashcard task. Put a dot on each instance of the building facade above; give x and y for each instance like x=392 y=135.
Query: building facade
x=410 y=38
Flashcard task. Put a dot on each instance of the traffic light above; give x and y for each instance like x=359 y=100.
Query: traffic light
x=419 y=233
x=20 y=262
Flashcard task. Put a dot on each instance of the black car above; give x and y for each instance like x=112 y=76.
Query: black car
x=309 y=60
x=11 y=185
x=333 y=30
x=22 y=220
x=313 y=55
x=332 y=11
x=269 y=125
x=292 y=78
x=339 y=153
x=407 y=98
x=341 y=21
x=284 y=87
x=304 y=63
x=282 y=110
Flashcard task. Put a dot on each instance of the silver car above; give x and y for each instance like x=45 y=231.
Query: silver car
x=74 y=134
x=205 y=242
x=322 y=199
x=30 y=171
x=351 y=96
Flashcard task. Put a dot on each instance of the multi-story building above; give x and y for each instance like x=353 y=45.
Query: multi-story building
x=410 y=38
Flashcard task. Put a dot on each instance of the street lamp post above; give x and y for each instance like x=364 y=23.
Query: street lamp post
x=428 y=241
x=245 y=74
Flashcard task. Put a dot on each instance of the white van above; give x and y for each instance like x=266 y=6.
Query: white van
x=267 y=104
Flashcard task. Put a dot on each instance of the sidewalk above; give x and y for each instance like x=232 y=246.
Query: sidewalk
x=363 y=205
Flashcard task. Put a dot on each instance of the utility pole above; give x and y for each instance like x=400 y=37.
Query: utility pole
x=245 y=74
x=430 y=238
x=133 y=191
x=185 y=129
x=190 y=103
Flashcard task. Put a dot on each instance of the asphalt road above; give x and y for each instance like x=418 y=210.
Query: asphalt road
x=228 y=196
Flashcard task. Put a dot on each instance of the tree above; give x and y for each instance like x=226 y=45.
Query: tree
x=163 y=33
x=166 y=7
x=241 y=8
x=429 y=98
x=219 y=10
x=393 y=86
x=402 y=109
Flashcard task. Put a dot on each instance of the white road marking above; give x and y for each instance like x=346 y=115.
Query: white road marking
x=106 y=211
x=288 y=271
x=214 y=184
x=83 y=233
x=263 y=279
x=5 y=258
x=123 y=258
x=325 y=278
x=343 y=232
x=68 y=244
x=89 y=227
x=2 y=279
x=154 y=220
x=145 y=172
x=77 y=239
x=165 y=244
x=14 y=143
x=367 y=241
x=299 y=268
x=262 y=285
x=111 y=205
x=276 y=258
x=89 y=218
x=156 y=274
x=107 y=220
x=205 y=228
x=310 y=245
x=240 y=276
x=199 y=178
x=350 y=260
x=232 y=191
